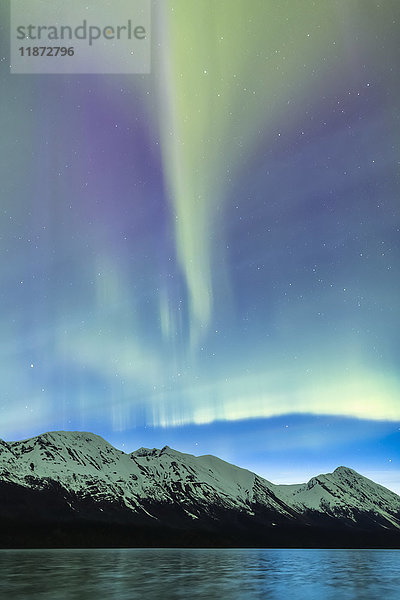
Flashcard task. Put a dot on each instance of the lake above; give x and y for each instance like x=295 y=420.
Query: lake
x=245 y=574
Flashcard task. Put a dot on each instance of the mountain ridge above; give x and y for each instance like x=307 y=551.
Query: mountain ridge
x=82 y=478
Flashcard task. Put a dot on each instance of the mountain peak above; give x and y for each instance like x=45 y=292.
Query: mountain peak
x=342 y=470
x=141 y=452
x=66 y=438
x=145 y=452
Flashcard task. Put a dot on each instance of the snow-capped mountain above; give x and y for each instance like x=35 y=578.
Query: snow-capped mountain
x=79 y=476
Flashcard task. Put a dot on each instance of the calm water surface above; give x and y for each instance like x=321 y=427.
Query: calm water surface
x=196 y=573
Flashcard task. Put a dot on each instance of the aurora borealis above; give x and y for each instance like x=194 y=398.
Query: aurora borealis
x=208 y=256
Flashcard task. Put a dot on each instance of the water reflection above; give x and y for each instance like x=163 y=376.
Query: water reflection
x=199 y=573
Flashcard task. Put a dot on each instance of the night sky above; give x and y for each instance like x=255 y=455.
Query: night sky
x=208 y=256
